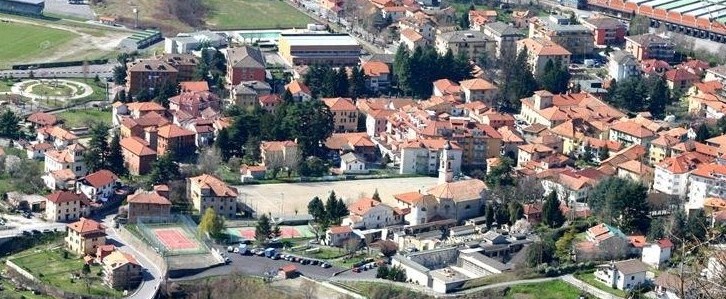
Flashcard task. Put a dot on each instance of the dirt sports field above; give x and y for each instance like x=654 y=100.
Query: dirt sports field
x=284 y=199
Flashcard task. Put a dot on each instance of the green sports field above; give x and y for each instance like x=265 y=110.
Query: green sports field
x=22 y=42
x=254 y=14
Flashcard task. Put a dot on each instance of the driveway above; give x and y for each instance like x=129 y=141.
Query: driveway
x=152 y=274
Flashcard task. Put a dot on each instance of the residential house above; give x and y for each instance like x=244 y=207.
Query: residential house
x=636 y=171
x=412 y=39
x=650 y=46
x=606 y=30
x=63 y=179
x=358 y=143
x=671 y=174
x=572 y=132
x=629 y=132
x=174 y=138
x=121 y=271
x=478 y=18
x=58 y=136
x=98 y=186
x=247 y=93
x=148 y=205
x=717 y=73
x=38 y=150
x=660 y=147
x=540 y=51
x=446 y=87
x=669 y=285
x=599 y=148
x=138 y=155
x=393 y=13
x=279 y=154
x=421 y=23
x=300 y=92
x=376 y=121
x=69 y=158
x=654 y=67
x=337 y=235
x=269 y=102
x=575 y=38
x=137 y=126
x=193 y=103
x=532 y=212
x=134 y=110
x=422 y=156
x=479 y=90
x=345 y=114
x=366 y=213
x=572 y=186
x=207 y=191
x=252 y=172
x=680 y=79
x=85 y=236
x=706 y=180
x=149 y=74
x=505 y=36
x=521 y=18
x=622 y=65
x=511 y=140
x=193 y=86
x=708 y=105
x=623 y=275
x=378 y=75
x=42 y=119
x=532 y=152
x=657 y=253
x=64 y=206
x=471 y=43
x=603 y=232
x=351 y=163
x=245 y=64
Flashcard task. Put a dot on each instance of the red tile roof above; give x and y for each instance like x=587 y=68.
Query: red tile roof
x=86 y=226
x=375 y=68
x=101 y=178
x=193 y=86
x=218 y=187
x=296 y=86
x=148 y=198
x=361 y=206
x=340 y=104
x=340 y=229
x=174 y=131
x=137 y=146
x=43 y=119
x=59 y=197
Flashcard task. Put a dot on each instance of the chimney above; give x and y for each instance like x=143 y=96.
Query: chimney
x=151 y=136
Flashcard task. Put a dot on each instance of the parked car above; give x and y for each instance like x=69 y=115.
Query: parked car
x=230 y=248
x=325 y=265
x=356 y=270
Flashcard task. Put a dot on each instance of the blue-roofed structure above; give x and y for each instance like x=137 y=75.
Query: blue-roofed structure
x=23 y=7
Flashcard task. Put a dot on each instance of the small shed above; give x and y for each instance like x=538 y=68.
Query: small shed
x=287 y=271
x=352 y=163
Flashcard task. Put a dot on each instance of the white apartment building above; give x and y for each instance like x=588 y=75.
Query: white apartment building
x=708 y=180
x=671 y=174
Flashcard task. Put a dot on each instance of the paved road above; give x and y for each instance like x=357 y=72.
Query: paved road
x=102 y=70
x=63 y=8
x=152 y=276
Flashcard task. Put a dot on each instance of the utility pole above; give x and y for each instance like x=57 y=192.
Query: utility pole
x=136 y=21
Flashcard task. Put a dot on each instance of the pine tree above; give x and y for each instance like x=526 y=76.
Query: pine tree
x=358 y=84
x=464 y=21
x=287 y=98
x=115 y=158
x=223 y=144
x=516 y=211
x=551 y=213
x=331 y=208
x=164 y=170
x=263 y=229
x=316 y=208
x=658 y=98
x=96 y=157
x=401 y=69
x=489 y=215
x=341 y=83
x=9 y=124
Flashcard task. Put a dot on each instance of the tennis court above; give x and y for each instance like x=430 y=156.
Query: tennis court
x=174 y=238
x=286 y=232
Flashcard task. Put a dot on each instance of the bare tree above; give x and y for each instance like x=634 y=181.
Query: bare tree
x=309 y=289
x=209 y=160
x=351 y=245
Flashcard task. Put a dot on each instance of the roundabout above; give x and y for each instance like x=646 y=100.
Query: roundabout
x=52 y=89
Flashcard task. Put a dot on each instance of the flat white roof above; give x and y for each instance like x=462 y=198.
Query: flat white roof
x=319 y=40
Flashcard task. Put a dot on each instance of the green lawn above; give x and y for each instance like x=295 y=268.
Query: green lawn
x=324 y=253
x=23 y=41
x=84 y=117
x=10 y=292
x=254 y=14
x=52 y=268
x=554 y=289
x=6 y=85
x=590 y=279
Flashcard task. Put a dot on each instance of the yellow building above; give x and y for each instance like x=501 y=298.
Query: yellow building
x=85 y=236
x=207 y=191
x=540 y=51
x=345 y=114
x=306 y=49
x=660 y=148
x=121 y=271
x=62 y=206
x=572 y=133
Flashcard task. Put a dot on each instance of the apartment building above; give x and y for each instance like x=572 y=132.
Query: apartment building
x=207 y=191
x=650 y=46
x=85 y=236
x=540 y=51
x=575 y=38
x=345 y=114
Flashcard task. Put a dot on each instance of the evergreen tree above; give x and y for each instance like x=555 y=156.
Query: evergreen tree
x=702 y=133
x=555 y=78
x=358 y=84
x=252 y=149
x=164 y=170
x=9 y=125
x=659 y=97
x=516 y=211
x=500 y=174
x=677 y=226
x=656 y=230
x=518 y=81
x=376 y=197
x=304 y=116
x=401 y=69
x=119 y=74
x=551 y=213
x=603 y=154
x=316 y=208
x=224 y=144
x=97 y=153
x=341 y=83
x=464 y=21
x=263 y=229
x=697 y=225
x=287 y=98
x=331 y=208
x=621 y=202
x=489 y=215
x=115 y=157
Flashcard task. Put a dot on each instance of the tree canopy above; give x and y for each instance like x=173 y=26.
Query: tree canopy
x=211 y=223
x=551 y=213
x=621 y=202
x=415 y=72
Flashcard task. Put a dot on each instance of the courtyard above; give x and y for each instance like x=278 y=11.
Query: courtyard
x=293 y=198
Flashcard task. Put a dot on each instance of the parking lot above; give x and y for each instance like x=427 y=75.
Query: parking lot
x=17 y=224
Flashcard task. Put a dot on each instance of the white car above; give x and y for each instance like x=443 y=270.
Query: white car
x=236 y=250
x=230 y=249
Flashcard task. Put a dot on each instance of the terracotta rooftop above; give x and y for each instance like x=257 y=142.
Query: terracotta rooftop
x=100 y=178
x=173 y=131
x=361 y=206
x=86 y=226
x=42 y=119
x=541 y=47
x=459 y=190
x=633 y=129
x=59 y=197
x=477 y=84
x=193 y=86
x=340 y=104
x=217 y=186
x=296 y=86
x=375 y=68
x=340 y=229
x=148 y=198
x=137 y=146
x=277 y=145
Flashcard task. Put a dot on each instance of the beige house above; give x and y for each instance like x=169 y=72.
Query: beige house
x=148 y=204
x=279 y=154
x=121 y=271
x=85 y=236
x=345 y=114
x=473 y=43
x=207 y=191
x=478 y=89
x=539 y=51
x=62 y=206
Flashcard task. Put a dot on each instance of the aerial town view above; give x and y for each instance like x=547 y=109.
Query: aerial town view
x=351 y=149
